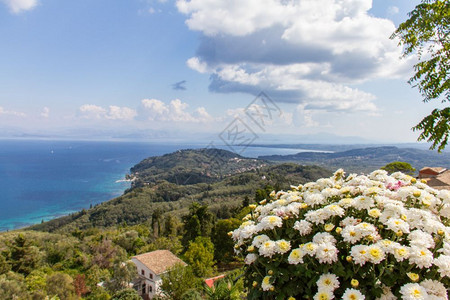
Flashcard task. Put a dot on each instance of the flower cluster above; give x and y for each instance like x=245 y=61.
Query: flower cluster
x=375 y=236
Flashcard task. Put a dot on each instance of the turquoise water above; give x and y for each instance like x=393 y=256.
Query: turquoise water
x=40 y=180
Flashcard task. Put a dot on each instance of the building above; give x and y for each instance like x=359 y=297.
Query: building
x=437 y=177
x=150 y=266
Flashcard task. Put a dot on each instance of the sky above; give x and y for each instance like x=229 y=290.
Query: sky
x=270 y=70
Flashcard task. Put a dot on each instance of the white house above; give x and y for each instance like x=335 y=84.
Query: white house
x=150 y=266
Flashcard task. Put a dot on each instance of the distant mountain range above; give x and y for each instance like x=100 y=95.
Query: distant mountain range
x=367 y=159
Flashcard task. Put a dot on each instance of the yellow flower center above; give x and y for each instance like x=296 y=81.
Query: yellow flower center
x=323 y=296
x=376 y=253
x=353 y=297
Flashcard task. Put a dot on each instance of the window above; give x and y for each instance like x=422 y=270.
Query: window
x=151 y=276
x=150 y=289
x=143 y=272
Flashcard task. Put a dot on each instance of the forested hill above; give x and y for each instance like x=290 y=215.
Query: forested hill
x=367 y=159
x=193 y=166
x=169 y=184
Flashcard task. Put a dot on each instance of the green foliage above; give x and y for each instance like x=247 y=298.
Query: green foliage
x=200 y=256
x=177 y=281
x=171 y=243
x=123 y=274
x=4 y=265
x=223 y=244
x=399 y=166
x=199 y=222
x=223 y=289
x=24 y=256
x=12 y=286
x=426 y=34
x=435 y=128
x=126 y=294
x=61 y=285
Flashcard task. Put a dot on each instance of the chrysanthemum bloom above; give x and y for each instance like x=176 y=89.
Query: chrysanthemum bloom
x=413 y=291
x=266 y=285
x=352 y=294
x=267 y=249
x=323 y=295
x=283 y=246
x=304 y=227
x=328 y=281
x=296 y=256
x=270 y=222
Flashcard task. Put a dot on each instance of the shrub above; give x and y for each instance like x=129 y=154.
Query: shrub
x=354 y=237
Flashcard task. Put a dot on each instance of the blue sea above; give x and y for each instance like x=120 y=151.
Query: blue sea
x=42 y=179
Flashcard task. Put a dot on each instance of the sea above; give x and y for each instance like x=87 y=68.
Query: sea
x=44 y=179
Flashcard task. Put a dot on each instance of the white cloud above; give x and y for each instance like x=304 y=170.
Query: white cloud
x=175 y=111
x=297 y=51
x=11 y=113
x=45 y=112
x=91 y=111
x=17 y=6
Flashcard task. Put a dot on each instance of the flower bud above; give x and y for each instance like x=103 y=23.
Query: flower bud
x=263 y=202
x=251 y=248
x=399 y=233
x=417 y=193
x=270 y=272
x=272 y=289
x=252 y=206
x=440 y=232
x=230 y=233
x=349 y=258
x=338 y=230
x=254 y=284
x=354 y=283
x=423 y=181
x=329 y=227
x=413 y=276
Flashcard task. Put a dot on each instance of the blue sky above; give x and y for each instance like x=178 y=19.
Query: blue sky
x=187 y=69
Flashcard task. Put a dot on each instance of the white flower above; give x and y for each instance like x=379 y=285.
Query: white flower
x=413 y=291
x=421 y=239
x=363 y=202
x=334 y=210
x=351 y=234
x=387 y=294
x=401 y=253
x=270 y=222
x=268 y=248
x=296 y=256
x=323 y=295
x=304 y=227
x=310 y=248
x=259 y=239
x=359 y=254
x=326 y=253
x=323 y=237
x=250 y=258
x=313 y=199
x=352 y=294
x=328 y=281
x=283 y=246
x=266 y=285
x=443 y=263
x=349 y=221
x=421 y=256
x=375 y=254
x=316 y=216
x=434 y=288
x=395 y=225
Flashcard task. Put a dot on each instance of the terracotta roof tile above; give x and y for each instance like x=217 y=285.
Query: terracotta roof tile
x=159 y=261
